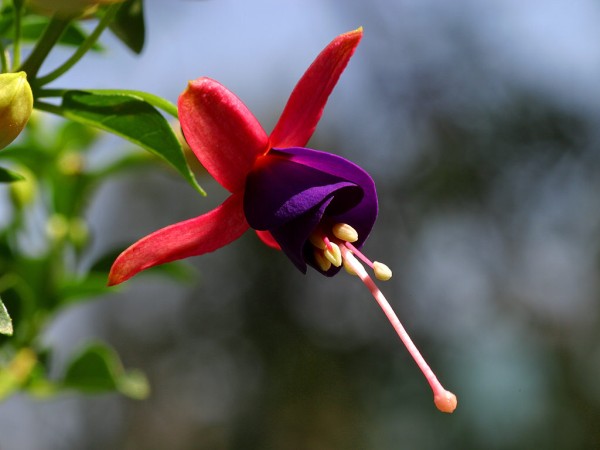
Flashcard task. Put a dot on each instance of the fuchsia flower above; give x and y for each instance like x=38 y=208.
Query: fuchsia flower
x=316 y=207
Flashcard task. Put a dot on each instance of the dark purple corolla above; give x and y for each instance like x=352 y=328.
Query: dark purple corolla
x=294 y=192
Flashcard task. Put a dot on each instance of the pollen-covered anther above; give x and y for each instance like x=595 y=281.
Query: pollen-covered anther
x=333 y=254
x=345 y=232
x=323 y=263
x=317 y=240
x=382 y=272
x=349 y=262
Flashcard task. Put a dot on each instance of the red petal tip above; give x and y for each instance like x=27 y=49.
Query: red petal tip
x=192 y=237
x=307 y=101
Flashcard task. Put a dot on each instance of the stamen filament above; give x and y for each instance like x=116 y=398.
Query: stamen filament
x=328 y=244
x=349 y=262
x=358 y=253
x=444 y=400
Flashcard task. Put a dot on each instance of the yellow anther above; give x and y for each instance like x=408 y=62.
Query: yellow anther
x=349 y=260
x=323 y=263
x=334 y=255
x=382 y=272
x=345 y=232
x=316 y=239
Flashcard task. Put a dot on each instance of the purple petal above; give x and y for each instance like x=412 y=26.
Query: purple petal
x=361 y=216
x=290 y=191
x=292 y=236
x=279 y=190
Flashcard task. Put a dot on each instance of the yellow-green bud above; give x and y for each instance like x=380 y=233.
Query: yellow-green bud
x=79 y=232
x=23 y=192
x=68 y=8
x=16 y=104
x=57 y=227
x=71 y=164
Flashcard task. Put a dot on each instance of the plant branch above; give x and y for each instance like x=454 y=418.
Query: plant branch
x=3 y=58
x=83 y=48
x=18 y=5
x=51 y=35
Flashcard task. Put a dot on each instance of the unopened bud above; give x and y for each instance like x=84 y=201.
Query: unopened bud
x=71 y=163
x=57 y=227
x=16 y=104
x=79 y=232
x=22 y=192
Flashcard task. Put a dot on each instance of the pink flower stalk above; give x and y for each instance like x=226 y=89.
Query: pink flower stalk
x=316 y=207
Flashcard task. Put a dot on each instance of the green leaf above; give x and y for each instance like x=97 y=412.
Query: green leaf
x=97 y=369
x=154 y=100
x=6 y=326
x=8 y=176
x=129 y=26
x=132 y=118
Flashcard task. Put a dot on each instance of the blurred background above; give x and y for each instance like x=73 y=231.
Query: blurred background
x=479 y=123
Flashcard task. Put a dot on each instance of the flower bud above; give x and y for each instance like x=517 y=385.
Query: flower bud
x=79 y=232
x=16 y=104
x=23 y=192
x=68 y=8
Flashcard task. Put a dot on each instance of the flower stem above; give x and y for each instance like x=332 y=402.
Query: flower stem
x=3 y=58
x=83 y=48
x=18 y=5
x=43 y=93
x=48 y=107
x=51 y=35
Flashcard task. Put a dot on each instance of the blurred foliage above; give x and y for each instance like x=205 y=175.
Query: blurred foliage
x=47 y=177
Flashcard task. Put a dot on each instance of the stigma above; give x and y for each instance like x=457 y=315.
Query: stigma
x=333 y=246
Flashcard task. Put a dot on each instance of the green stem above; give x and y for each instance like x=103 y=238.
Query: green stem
x=83 y=48
x=3 y=58
x=18 y=5
x=44 y=93
x=51 y=35
x=48 y=107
